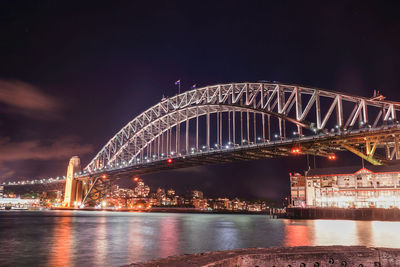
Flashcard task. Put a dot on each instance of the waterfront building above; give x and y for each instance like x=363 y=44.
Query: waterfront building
x=222 y=204
x=171 y=192
x=254 y=207
x=298 y=189
x=19 y=203
x=142 y=190
x=200 y=203
x=347 y=187
x=197 y=194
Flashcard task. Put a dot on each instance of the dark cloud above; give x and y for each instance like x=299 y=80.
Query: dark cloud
x=23 y=98
x=61 y=148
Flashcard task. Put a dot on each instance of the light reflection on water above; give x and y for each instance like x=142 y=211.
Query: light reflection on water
x=63 y=238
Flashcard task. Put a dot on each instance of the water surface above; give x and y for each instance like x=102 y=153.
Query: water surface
x=82 y=238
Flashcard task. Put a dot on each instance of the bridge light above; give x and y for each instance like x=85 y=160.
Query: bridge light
x=226 y=147
x=136 y=179
x=296 y=150
x=169 y=161
x=332 y=157
x=276 y=136
x=104 y=176
x=204 y=147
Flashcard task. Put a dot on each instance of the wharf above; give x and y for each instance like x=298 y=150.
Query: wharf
x=345 y=214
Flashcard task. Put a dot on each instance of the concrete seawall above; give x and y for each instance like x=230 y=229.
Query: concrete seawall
x=332 y=256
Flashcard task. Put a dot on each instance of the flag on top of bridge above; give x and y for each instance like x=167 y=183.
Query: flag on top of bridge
x=178 y=82
x=193 y=86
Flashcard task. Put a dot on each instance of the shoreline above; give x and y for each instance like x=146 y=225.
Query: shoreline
x=170 y=210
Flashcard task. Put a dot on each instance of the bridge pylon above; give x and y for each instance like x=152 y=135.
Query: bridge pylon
x=73 y=188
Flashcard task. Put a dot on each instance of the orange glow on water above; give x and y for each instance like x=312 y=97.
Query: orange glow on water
x=61 y=251
x=297 y=234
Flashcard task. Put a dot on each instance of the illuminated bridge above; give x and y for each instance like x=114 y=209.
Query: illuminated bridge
x=239 y=121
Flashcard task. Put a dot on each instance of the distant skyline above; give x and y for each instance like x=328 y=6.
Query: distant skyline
x=73 y=74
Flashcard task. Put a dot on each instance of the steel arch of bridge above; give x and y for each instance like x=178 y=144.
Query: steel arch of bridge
x=155 y=133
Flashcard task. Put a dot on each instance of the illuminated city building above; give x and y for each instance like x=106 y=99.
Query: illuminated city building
x=160 y=196
x=171 y=192
x=347 y=187
x=222 y=204
x=142 y=190
x=298 y=189
x=18 y=203
x=200 y=203
x=254 y=207
x=197 y=194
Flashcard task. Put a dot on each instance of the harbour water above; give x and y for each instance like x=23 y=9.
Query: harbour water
x=96 y=238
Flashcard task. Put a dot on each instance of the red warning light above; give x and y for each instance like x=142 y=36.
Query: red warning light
x=136 y=179
x=332 y=157
x=296 y=150
x=169 y=161
x=104 y=176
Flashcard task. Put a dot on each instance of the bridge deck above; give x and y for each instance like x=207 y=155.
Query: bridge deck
x=321 y=145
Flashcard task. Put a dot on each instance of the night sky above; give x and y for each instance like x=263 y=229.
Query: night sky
x=74 y=73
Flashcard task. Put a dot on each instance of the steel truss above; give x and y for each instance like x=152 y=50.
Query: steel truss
x=241 y=114
x=243 y=121
x=99 y=189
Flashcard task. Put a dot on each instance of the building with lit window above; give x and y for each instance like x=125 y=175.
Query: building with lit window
x=142 y=190
x=347 y=187
x=298 y=190
x=197 y=194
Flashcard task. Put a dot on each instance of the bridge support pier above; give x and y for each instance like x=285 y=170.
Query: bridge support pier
x=73 y=187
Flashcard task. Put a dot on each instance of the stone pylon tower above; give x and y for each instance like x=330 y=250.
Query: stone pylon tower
x=71 y=185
